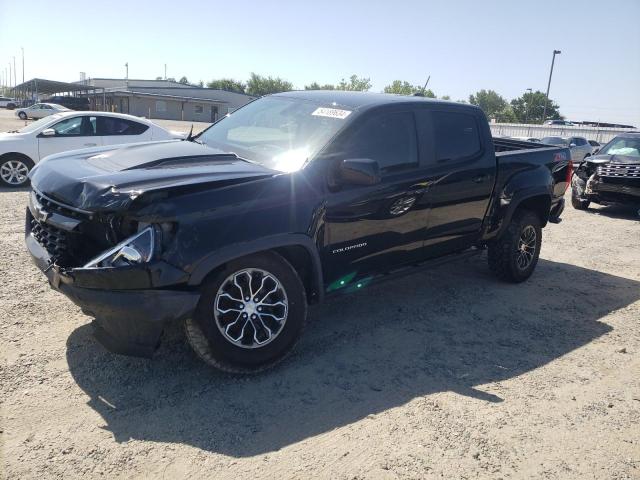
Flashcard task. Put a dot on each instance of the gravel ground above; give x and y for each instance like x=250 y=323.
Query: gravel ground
x=444 y=374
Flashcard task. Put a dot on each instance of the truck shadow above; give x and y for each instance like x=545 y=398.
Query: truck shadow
x=454 y=328
x=623 y=212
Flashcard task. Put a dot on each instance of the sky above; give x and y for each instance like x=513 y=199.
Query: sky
x=464 y=45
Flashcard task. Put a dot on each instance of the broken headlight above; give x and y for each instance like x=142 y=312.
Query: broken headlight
x=138 y=248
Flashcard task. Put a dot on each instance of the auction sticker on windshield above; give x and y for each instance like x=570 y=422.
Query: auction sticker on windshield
x=331 y=112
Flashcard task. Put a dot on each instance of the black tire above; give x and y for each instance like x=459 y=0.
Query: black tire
x=22 y=115
x=505 y=254
x=578 y=203
x=14 y=163
x=11 y=106
x=216 y=349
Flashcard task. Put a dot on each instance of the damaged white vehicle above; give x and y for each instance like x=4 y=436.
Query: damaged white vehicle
x=21 y=149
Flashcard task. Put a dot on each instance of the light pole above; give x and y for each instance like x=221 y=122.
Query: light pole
x=546 y=101
x=22 y=48
x=526 y=115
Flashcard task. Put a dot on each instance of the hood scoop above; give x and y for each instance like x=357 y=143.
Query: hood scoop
x=187 y=162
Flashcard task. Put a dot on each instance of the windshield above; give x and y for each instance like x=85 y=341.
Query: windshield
x=32 y=127
x=629 y=147
x=277 y=132
x=554 y=141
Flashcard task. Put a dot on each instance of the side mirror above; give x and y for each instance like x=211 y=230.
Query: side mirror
x=359 y=171
x=48 y=132
x=571 y=145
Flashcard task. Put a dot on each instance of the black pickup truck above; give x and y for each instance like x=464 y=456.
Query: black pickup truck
x=293 y=198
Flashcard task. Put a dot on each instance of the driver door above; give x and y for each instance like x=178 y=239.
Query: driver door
x=371 y=229
x=72 y=133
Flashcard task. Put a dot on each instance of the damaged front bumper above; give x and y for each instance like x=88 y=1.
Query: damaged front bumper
x=606 y=190
x=131 y=305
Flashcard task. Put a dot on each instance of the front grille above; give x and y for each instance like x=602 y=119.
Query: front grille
x=619 y=170
x=54 y=240
x=55 y=207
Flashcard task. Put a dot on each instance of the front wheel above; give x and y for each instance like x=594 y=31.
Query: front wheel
x=22 y=115
x=250 y=314
x=578 y=203
x=514 y=256
x=14 y=171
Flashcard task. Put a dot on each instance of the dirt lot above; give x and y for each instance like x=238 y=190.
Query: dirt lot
x=445 y=374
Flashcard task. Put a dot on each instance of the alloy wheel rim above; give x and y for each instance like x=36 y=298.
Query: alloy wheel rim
x=526 y=247
x=14 y=172
x=251 y=308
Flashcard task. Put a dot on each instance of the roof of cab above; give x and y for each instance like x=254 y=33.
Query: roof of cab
x=357 y=100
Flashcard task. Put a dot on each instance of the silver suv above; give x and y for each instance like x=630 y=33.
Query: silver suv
x=579 y=146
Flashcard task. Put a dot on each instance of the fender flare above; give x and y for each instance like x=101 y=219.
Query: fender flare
x=518 y=198
x=232 y=252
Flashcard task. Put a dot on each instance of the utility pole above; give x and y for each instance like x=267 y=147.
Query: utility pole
x=126 y=76
x=526 y=115
x=165 y=71
x=9 y=74
x=22 y=48
x=546 y=101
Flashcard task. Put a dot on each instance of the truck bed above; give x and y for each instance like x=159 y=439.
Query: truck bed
x=502 y=145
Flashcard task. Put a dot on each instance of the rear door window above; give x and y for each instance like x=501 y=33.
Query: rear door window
x=456 y=136
x=108 y=126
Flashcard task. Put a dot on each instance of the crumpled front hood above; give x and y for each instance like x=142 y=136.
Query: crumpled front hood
x=620 y=159
x=110 y=178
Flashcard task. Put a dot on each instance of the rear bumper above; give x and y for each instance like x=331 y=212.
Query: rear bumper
x=130 y=315
x=556 y=211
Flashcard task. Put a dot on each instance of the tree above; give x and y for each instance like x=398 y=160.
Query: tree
x=529 y=108
x=228 y=84
x=491 y=103
x=258 y=85
x=317 y=86
x=184 y=80
x=445 y=97
x=400 y=87
x=355 y=83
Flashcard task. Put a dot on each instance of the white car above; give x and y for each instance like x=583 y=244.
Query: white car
x=21 y=149
x=8 y=103
x=40 y=110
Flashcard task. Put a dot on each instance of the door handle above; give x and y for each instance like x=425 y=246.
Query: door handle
x=480 y=178
x=90 y=144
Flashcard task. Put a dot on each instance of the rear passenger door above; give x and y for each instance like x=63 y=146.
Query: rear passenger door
x=115 y=130
x=461 y=174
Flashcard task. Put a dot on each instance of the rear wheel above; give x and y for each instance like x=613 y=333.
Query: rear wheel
x=514 y=256
x=22 y=115
x=14 y=171
x=250 y=314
